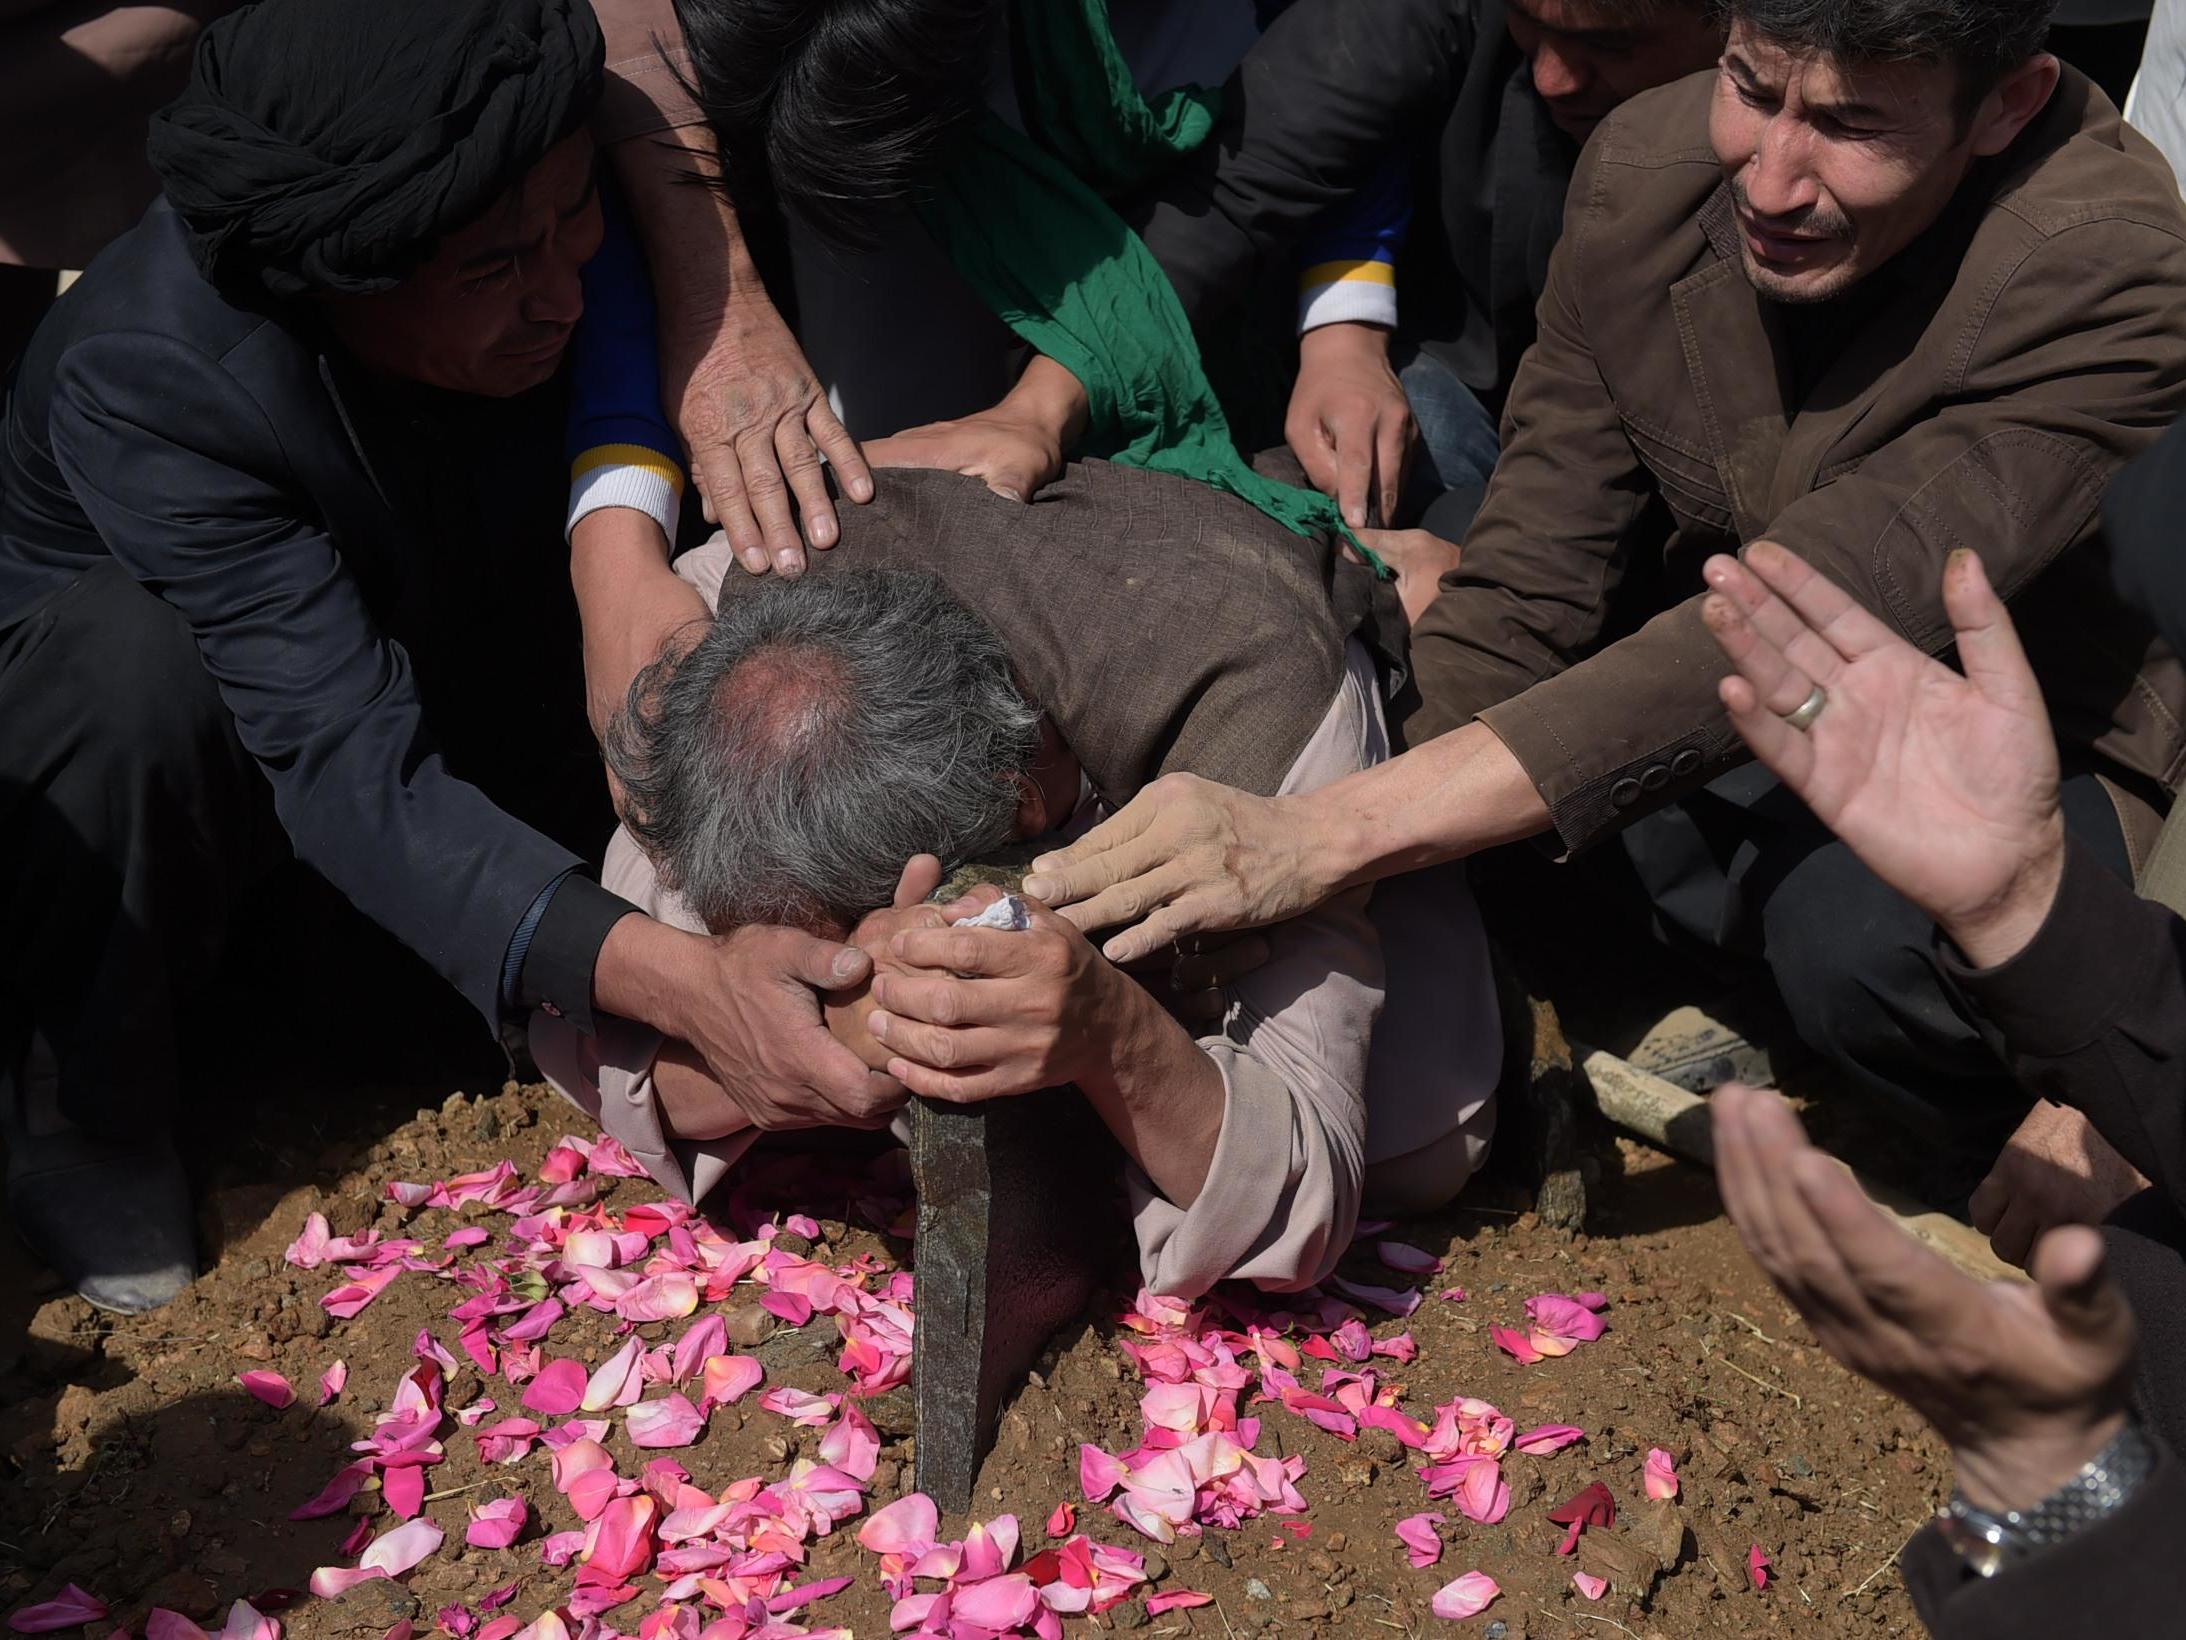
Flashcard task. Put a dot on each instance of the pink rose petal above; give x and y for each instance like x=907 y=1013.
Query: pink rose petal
x=335 y=1494
x=1171 y=1600
x=998 y=1604
x=404 y=1489
x=1539 y=1442
x=1468 y=1596
x=1661 y=1474
x=269 y=1387
x=620 y=1543
x=668 y=1297
x=618 y=1381
x=496 y=1525
x=1399 y=1255
x=1757 y=1566
x=559 y=1388
x=727 y=1379
x=347 y=1300
x=1514 y=1344
x=247 y=1622
x=1098 y=1473
x=1064 y=1521
x=906 y=1526
x=1589 y=1585
x=162 y=1624
x=1397 y=1303
x=670 y=1421
x=1421 y=1541
x=69 y=1609
x=333 y=1381
x=388 y=1556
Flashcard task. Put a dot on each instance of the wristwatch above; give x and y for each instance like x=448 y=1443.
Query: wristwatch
x=1990 y=1543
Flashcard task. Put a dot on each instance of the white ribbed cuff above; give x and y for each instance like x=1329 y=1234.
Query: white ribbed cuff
x=615 y=485
x=1353 y=301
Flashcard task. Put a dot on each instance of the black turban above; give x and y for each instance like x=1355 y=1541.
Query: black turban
x=328 y=145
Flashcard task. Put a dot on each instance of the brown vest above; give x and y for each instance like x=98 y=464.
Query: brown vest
x=1163 y=626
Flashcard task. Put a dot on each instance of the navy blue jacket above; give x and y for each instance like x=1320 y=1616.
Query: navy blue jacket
x=208 y=450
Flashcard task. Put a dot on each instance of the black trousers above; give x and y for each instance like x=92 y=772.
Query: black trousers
x=1743 y=868
x=1741 y=881
x=131 y=822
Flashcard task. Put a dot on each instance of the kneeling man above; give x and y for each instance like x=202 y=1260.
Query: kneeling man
x=960 y=674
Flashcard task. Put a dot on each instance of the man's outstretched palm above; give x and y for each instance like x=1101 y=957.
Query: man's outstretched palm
x=1944 y=785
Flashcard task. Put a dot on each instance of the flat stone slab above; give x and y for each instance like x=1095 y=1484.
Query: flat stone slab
x=1016 y=1218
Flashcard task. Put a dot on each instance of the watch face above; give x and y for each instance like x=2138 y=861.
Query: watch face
x=1978 y=1541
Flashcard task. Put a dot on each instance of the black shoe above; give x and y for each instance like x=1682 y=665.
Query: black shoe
x=112 y=1219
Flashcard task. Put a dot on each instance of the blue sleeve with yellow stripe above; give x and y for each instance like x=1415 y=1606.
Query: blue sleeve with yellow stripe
x=1348 y=262
x=622 y=452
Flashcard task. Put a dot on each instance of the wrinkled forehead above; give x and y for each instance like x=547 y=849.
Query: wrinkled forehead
x=1814 y=81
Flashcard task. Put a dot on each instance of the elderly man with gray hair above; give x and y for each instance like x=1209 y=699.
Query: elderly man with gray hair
x=963 y=674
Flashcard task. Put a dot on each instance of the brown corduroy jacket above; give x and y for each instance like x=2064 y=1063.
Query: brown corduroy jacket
x=1980 y=390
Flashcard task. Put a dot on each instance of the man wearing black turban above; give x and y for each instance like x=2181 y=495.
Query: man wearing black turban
x=240 y=460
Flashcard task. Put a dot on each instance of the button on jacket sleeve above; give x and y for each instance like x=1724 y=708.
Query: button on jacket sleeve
x=182 y=473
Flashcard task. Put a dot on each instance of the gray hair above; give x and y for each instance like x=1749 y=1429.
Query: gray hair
x=822 y=732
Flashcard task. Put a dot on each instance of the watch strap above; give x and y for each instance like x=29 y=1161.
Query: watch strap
x=1991 y=1541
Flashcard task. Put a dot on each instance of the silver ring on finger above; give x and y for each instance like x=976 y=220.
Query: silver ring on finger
x=1803 y=715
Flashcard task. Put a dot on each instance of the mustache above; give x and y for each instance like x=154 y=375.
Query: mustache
x=1817 y=221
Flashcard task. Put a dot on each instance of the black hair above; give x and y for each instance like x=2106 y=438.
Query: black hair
x=1983 y=39
x=848 y=104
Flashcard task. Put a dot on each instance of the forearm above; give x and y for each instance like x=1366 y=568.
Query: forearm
x=1052 y=398
x=1445 y=800
x=1159 y=1094
x=630 y=604
x=694 y=243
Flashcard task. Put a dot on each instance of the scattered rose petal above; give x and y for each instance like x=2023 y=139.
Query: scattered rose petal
x=1170 y=1600
x=1412 y=1261
x=727 y=1379
x=388 y=1556
x=1589 y=1585
x=1454 y=1295
x=905 y=1526
x=1467 y=1596
x=333 y=1381
x=620 y=1543
x=1382 y=1298
x=1421 y=1541
x=69 y=1609
x=348 y=1300
x=1541 y=1441
x=471 y=1235
x=269 y=1387
x=1514 y=1344
x=335 y=1494
x=404 y=1489
x=618 y=1382
x=496 y=1525
x=670 y=1421
x=1064 y=1521
x=559 y=1388
x=1757 y=1566
x=1661 y=1474
x=997 y=1603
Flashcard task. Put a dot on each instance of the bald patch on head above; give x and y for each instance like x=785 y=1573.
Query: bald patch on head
x=779 y=702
